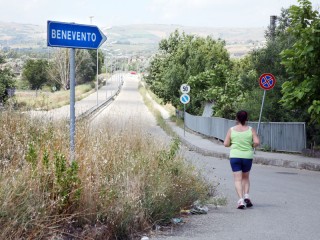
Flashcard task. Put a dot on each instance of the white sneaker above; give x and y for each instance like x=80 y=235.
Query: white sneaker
x=241 y=204
x=247 y=201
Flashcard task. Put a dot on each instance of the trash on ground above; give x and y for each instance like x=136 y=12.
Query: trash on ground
x=198 y=208
x=186 y=212
x=176 y=220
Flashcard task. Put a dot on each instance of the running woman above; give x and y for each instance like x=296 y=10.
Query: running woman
x=242 y=139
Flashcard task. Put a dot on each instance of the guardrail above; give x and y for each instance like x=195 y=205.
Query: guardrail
x=274 y=136
x=90 y=112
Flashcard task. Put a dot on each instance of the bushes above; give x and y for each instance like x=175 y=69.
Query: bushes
x=121 y=182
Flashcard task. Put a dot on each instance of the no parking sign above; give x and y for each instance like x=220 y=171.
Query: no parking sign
x=267 y=81
x=185 y=98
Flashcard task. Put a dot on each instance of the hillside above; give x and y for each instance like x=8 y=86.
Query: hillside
x=16 y=35
x=146 y=37
x=134 y=39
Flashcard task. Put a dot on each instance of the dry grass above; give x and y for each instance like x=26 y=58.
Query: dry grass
x=42 y=100
x=144 y=89
x=119 y=186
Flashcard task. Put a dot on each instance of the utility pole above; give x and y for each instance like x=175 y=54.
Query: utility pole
x=97 y=83
x=273 y=20
x=91 y=19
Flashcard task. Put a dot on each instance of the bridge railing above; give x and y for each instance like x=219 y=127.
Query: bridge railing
x=274 y=136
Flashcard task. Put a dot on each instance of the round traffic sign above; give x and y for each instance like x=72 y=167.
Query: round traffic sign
x=185 y=88
x=185 y=98
x=267 y=81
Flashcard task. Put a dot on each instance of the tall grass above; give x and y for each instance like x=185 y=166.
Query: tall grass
x=156 y=113
x=119 y=185
x=46 y=100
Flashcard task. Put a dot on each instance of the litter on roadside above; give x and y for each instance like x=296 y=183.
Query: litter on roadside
x=176 y=220
x=197 y=208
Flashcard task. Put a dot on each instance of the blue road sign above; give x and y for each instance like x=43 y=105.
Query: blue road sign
x=71 y=35
x=185 y=98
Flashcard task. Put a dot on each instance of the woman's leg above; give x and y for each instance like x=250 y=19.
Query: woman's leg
x=246 y=188
x=238 y=183
x=245 y=183
x=246 y=167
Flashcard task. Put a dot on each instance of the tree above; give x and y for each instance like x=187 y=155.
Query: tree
x=180 y=58
x=59 y=70
x=2 y=59
x=267 y=60
x=219 y=86
x=93 y=55
x=6 y=81
x=36 y=73
x=84 y=67
x=302 y=61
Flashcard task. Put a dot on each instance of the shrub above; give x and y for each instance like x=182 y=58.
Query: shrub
x=120 y=183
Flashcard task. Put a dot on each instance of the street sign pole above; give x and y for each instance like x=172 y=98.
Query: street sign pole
x=72 y=103
x=97 y=77
x=264 y=95
x=184 y=119
x=106 y=78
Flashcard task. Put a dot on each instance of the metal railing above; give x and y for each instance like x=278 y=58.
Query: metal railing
x=274 y=136
x=90 y=112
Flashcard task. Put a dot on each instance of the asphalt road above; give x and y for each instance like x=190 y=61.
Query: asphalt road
x=286 y=205
x=286 y=201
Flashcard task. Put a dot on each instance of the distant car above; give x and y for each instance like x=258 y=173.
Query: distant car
x=133 y=72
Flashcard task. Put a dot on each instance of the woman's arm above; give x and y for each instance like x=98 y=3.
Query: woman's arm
x=227 y=140
x=255 y=138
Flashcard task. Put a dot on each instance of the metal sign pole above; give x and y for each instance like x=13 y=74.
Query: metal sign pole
x=106 y=78
x=264 y=95
x=184 y=120
x=72 y=103
x=97 y=77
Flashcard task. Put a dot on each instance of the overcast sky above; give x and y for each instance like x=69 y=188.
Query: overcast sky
x=107 y=13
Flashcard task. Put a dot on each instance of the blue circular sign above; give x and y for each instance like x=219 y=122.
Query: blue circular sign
x=185 y=98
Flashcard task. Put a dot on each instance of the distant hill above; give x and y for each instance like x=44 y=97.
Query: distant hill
x=147 y=33
x=239 y=40
x=134 y=39
x=16 y=35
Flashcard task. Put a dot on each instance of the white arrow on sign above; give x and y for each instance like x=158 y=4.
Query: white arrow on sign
x=185 y=98
x=185 y=88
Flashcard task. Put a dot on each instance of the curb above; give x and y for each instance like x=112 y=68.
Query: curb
x=287 y=163
x=259 y=160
